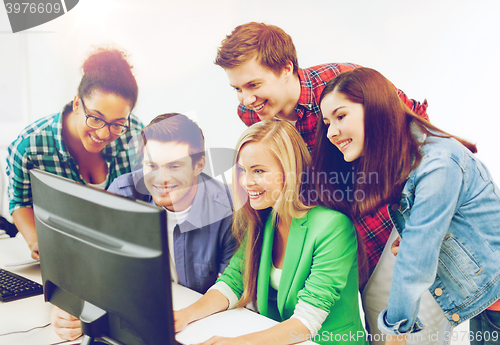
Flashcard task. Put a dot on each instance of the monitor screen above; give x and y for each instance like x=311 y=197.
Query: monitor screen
x=104 y=259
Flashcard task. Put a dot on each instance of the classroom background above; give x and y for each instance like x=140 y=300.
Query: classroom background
x=444 y=51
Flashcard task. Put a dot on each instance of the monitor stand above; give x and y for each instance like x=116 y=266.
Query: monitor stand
x=94 y=322
x=91 y=341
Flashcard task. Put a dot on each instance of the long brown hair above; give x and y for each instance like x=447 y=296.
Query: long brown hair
x=288 y=147
x=390 y=150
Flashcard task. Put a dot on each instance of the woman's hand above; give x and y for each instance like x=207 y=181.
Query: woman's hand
x=216 y=340
x=35 y=254
x=211 y=302
x=394 y=340
x=181 y=320
x=278 y=334
x=395 y=246
x=65 y=325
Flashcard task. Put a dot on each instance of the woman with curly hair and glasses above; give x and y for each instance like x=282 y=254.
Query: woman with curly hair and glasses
x=88 y=141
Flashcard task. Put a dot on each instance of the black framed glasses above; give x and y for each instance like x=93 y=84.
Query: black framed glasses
x=97 y=123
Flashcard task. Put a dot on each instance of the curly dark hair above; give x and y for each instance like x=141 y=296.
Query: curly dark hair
x=107 y=70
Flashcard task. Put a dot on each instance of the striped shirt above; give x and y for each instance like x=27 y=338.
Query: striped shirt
x=41 y=146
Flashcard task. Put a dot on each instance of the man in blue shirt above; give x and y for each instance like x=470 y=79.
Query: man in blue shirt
x=199 y=210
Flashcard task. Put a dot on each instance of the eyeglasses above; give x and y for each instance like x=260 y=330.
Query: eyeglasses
x=97 y=123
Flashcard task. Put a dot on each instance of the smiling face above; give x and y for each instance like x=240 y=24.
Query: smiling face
x=345 y=122
x=263 y=91
x=105 y=106
x=260 y=174
x=169 y=174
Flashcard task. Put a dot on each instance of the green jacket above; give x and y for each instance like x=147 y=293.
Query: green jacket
x=320 y=268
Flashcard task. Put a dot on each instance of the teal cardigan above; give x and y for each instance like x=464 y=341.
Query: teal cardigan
x=320 y=268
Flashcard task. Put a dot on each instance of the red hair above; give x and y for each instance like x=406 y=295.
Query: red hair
x=272 y=47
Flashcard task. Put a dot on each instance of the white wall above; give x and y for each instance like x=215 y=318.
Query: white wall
x=445 y=51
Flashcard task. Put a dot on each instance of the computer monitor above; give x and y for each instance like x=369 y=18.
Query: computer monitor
x=104 y=258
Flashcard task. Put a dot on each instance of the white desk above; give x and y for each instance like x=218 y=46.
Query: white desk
x=24 y=314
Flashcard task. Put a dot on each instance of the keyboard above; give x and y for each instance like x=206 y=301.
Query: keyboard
x=13 y=286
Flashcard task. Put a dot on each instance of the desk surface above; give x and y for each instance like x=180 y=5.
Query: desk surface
x=28 y=313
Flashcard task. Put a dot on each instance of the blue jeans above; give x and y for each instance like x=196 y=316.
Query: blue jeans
x=485 y=328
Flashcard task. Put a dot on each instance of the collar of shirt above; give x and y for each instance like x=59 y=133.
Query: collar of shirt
x=57 y=131
x=203 y=212
x=307 y=97
x=176 y=217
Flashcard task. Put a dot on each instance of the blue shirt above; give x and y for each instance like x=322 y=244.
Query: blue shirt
x=449 y=221
x=203 y=243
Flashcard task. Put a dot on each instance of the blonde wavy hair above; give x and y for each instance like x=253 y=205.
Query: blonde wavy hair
x=288 y=147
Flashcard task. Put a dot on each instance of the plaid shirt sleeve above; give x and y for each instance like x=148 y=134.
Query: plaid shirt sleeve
x=248 y=116
x=19 y=163
x=418 y=108
x=19 y=187
x=374 y=231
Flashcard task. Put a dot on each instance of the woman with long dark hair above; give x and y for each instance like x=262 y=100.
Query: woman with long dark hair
x=441 y=199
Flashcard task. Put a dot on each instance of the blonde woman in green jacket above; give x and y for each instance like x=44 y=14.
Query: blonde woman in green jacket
x=297 y=263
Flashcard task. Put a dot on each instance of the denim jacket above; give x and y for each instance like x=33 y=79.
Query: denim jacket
x=449 y=221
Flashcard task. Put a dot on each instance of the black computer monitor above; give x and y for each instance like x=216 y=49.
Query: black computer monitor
x=104 y=259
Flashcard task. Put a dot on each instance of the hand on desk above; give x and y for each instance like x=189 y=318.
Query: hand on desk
x=66 y=326
x=394 y=341
x=278 y=334
x=224 y=341
x=181 y=320
x=35 y=254
x=211 y=302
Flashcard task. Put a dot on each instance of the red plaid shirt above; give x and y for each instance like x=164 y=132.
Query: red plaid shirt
x=374 y=230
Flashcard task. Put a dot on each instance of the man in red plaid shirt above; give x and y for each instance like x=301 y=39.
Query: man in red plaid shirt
x=261 y=63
